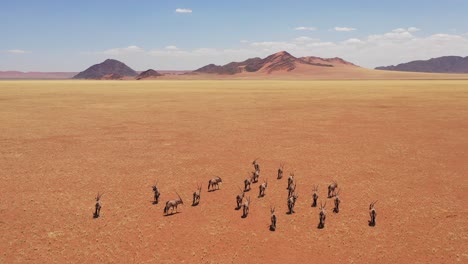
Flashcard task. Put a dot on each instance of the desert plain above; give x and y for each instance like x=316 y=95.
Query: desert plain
x=401 y=142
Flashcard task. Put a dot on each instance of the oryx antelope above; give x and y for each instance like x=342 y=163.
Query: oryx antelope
x=98 y=206
x=337 y=202
x=314 y=196
x=273 y=219
x=291 y=189
x=240 y=198
x=171 y=204
x=196 y=195
x=290 y=180
x=256 y=166
x=331 y=189
x=246 y=206
x=280 y=171
x=255 y=176
x=322 y=215
x=247 y=183
x=372 y=213
x=214 y=183
x=156 y=193
x=262 y=187
x=292 y=202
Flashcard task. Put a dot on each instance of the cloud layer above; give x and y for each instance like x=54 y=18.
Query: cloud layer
x=393 y=47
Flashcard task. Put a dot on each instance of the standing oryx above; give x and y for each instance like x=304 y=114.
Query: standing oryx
x=246 y=206
x=247 y=183
x=372 y=213
x=97 y=206
x=196 y=195
x=262 y=187
x=337 y=202
x=273 y=219
x=315 y=195
x=331 y=189
x=322 y=215
x=156 y=193
x=214 y=183
x=280 y=171
x=292 y=202
x=239 y=199
x=172 y=204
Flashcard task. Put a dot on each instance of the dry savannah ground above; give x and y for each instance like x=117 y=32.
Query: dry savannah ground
x=403 y=143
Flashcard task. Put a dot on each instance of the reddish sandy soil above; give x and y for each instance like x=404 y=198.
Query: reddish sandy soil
x=403 y=143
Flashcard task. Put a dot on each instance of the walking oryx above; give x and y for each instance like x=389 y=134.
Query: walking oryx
x=246 y=207
x=280 y=171
x=323 y=215
x=239 y=199
x=273 y=219
x=172 y=204
x=315 y=196
x=372 y=213
x=247 y=183
x=98 y=206
x=156 y=193
x=196 y=195
x=291 y=189
x=337 y=202
x=256 y=166
x=255 y=176
x=290 y=179
x=214 y=183
x=331 y=189
x=262 y=187
x=291 y=203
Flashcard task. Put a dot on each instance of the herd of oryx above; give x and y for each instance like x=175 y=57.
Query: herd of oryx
x=244 y=202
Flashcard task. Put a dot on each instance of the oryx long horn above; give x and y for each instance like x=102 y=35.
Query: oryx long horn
x=179 y=196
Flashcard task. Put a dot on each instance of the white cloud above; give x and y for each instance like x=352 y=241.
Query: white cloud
x=344 y=29
x=399 y=30
x=18 y=51
x=122 y=51
x=305 y=28
x=171 y=47
x=413 y=29
x=244 y=41
x=353 y=41
x=183 y=10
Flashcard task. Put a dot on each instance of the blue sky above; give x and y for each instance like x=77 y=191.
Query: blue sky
x=72 y=35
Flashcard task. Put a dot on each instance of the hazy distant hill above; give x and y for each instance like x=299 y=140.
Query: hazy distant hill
x=148 y=74
x=36 y=75
x=105 y=69
x=446 y=64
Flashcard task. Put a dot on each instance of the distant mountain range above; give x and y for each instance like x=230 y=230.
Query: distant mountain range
x=280 y=65
x=446 y=64
x=281 y=61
